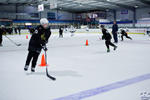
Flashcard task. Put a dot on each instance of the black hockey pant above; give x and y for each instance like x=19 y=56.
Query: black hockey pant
x=34 y=56
x=1 y=39
x=125 y=36
x=108 y=42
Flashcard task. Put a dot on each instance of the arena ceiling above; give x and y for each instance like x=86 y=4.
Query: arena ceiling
x=83 y=5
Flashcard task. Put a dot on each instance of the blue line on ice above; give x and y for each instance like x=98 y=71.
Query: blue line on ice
x=106 y=88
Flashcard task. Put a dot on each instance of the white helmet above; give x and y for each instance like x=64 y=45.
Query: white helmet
x=43 y=21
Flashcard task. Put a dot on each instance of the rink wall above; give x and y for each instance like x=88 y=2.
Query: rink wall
x=56 y=31
x=131 y=31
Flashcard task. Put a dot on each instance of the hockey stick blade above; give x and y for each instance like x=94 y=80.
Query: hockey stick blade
x=53 y=78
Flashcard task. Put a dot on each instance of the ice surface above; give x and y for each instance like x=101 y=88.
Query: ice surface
x=76 y=67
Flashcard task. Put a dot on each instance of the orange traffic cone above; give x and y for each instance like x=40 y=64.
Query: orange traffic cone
x=43 y=63
x=86 y=43
x=26 y=36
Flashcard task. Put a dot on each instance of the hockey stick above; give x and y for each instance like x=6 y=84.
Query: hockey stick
x=51 y=77
x=12 y=41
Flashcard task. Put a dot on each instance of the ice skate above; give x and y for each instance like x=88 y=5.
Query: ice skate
x=108 y=50
x=115 y=47
x=26 y=67
x=32 y=69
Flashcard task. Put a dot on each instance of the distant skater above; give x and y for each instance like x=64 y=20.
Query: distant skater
x=107 y=37
x=2 y=32
x=19 y=30
x=72 y=30
x=124 y=33
x=60 y=32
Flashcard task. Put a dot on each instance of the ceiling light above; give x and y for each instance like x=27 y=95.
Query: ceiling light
x=80 y=4
x=136 y=6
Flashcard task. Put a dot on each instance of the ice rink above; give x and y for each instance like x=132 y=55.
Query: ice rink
x=82 y=72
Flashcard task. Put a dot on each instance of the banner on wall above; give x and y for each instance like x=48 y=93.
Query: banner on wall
x=90 y=16
x=124 y=15
x=124 y=11
x=97 y=14
x=41 y=7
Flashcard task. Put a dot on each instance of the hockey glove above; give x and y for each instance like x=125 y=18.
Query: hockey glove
x=44 y=48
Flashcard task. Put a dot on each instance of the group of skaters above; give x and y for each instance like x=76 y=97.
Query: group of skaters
x=8 y=30
x=107 y=36
x=17 y=30
x=62 y=29
x=11 y=30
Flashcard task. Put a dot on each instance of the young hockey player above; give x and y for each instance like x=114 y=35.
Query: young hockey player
x=2 y=32
x=107 y=37
x=124 y=33
x=72 y=30
x=60 y=32
x=37 y=42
